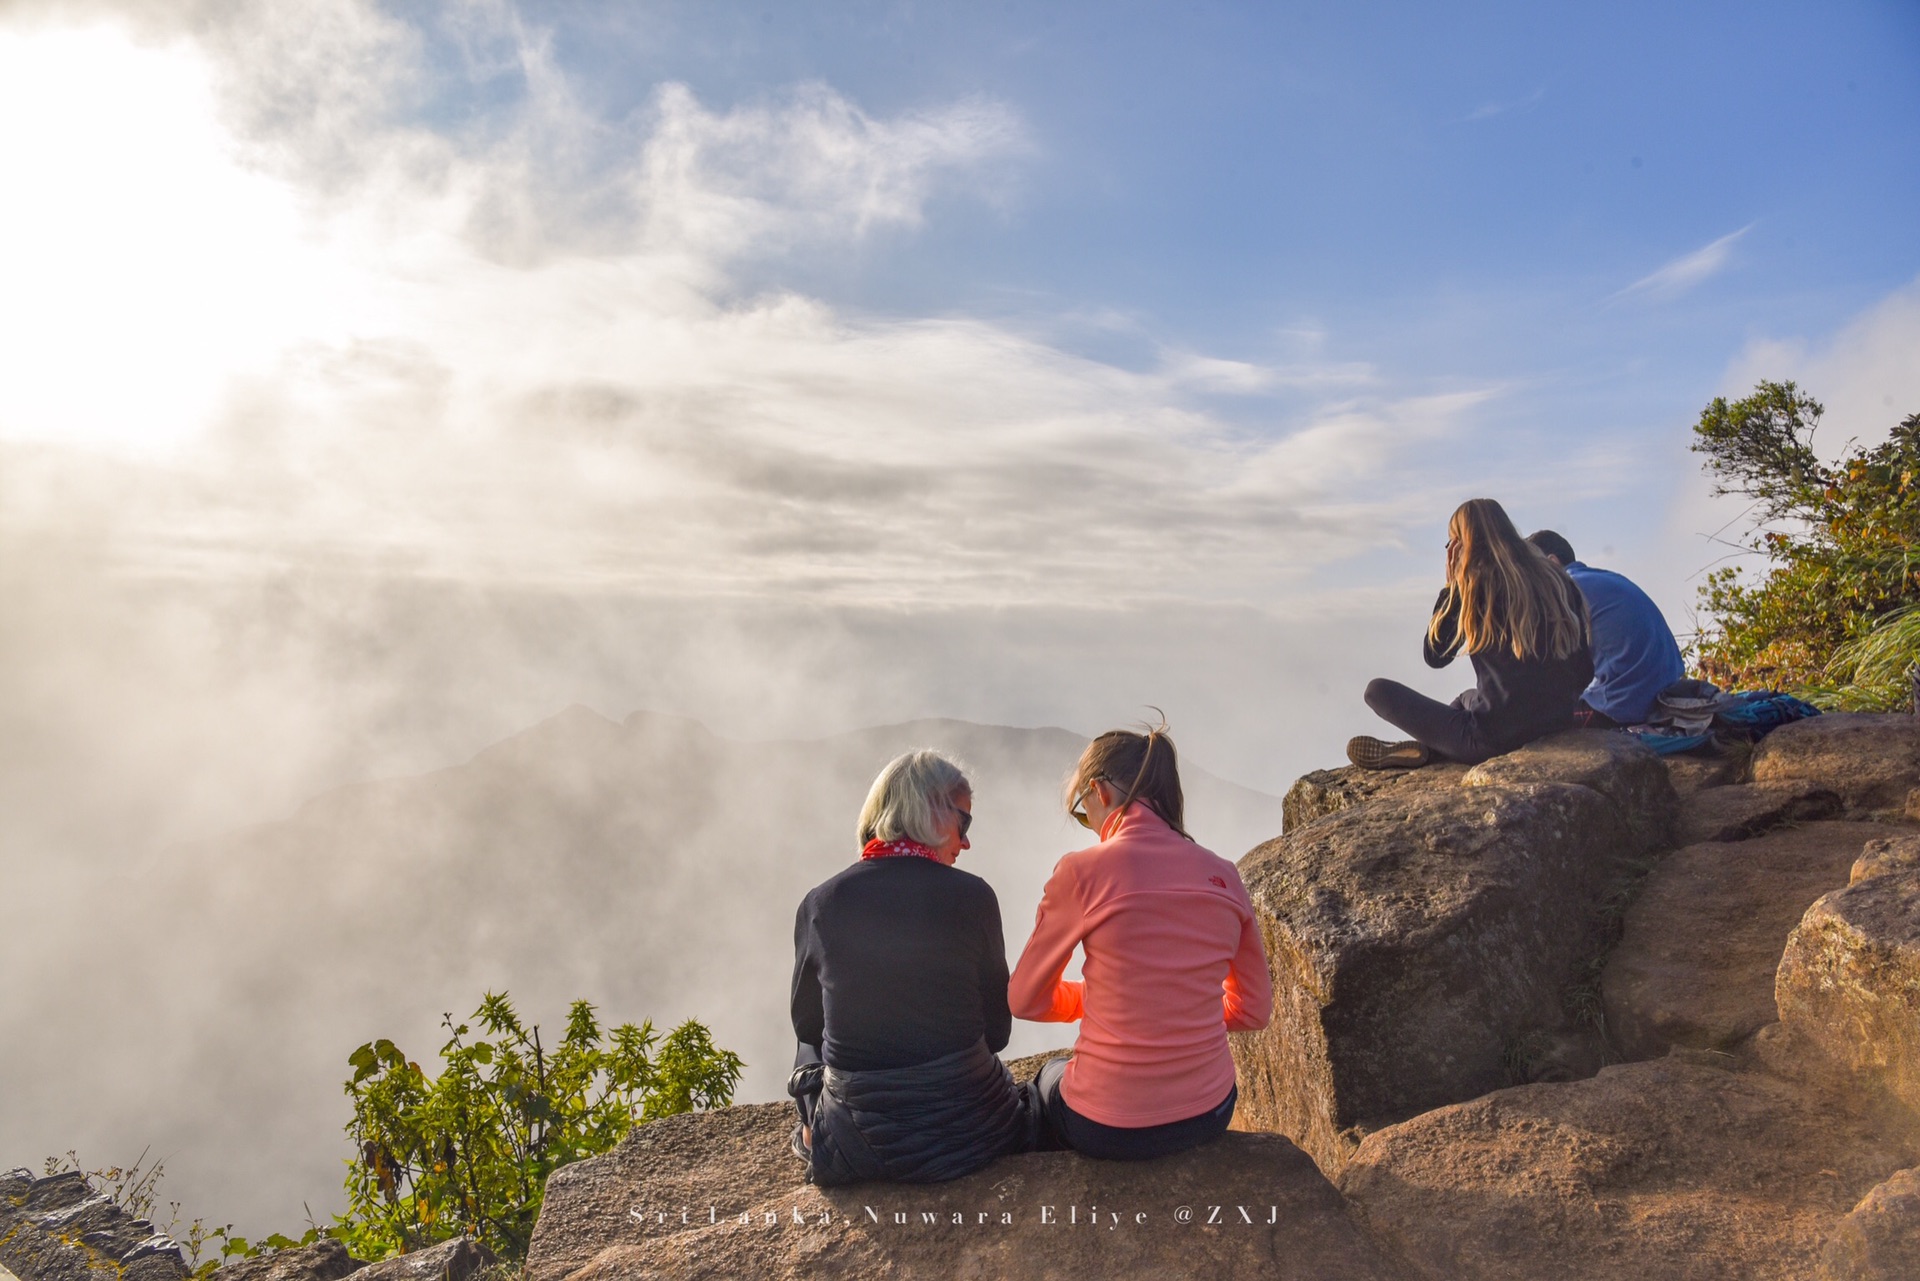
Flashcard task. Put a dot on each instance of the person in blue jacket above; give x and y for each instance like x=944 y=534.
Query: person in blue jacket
x=1634 y=653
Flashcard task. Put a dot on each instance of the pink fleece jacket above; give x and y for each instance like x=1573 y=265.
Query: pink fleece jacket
x=1172 y=961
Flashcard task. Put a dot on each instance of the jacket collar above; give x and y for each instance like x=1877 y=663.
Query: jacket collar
x=1135 y=816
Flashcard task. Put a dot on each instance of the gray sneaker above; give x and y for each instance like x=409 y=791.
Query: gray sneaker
x=1373 y=753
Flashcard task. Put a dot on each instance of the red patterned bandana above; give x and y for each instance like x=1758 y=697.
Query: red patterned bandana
x=902 y=848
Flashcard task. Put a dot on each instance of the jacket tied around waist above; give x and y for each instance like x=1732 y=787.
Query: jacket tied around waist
x=934 y=1121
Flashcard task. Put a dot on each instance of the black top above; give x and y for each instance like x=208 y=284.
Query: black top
x=1515 y=700
x=899 y=961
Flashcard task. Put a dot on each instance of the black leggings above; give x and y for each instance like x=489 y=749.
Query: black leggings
x=1448 y=728
x=1062 y=1127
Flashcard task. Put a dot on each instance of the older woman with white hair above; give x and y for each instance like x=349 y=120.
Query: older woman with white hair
x=900 y=996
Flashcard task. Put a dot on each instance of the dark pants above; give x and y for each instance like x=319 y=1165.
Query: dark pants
x=1447 y=728
x=1062 y=1127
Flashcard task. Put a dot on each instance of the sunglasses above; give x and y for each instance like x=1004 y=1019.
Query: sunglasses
x=1077 y=810
x=966 y=821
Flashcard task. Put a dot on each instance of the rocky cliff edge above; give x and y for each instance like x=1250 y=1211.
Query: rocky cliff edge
x=1576 y=1012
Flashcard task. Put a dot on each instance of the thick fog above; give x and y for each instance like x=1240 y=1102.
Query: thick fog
x=215 y=989
x=202 y=922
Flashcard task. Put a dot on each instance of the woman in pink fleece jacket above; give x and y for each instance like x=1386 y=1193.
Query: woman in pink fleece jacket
x=1172 y=963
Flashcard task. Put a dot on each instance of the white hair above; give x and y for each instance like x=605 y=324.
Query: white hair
x=913 y=793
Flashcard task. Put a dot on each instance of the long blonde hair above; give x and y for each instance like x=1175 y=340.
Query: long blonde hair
x=1504 y=593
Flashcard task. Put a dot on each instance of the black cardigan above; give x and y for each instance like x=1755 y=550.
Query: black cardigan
x=1514 y=700
x=899 y=961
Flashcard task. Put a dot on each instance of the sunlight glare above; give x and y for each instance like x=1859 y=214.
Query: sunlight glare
x=141 y=265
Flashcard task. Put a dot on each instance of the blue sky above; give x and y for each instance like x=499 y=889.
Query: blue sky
x=1225 y=172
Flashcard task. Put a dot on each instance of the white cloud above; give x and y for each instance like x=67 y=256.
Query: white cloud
x=1688 y=270
x=1488 y=110
x=1867 y=374
x=519 y=354
x=1247 y=378
x=814 y=166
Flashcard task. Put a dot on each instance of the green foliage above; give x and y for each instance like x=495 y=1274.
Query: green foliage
x=1841 y=545
x=134 y=1188
x=1872 y=673
x=469 y=1152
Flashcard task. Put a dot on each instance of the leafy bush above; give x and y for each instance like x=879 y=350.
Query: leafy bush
x=469 y=1152
x=1842 y=545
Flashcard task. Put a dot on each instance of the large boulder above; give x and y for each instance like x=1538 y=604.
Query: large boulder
x=1880 y=1240
x=1699 y=946
x=60 y=1228
x=1871 y=761
x=1328 y=791
x=1612 y=763
x=1418 y=946
x=1243 y=1205
x=1850 y=980
x=1674 y=1168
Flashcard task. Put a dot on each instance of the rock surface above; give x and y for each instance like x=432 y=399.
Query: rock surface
x=1414 y=947
x=1699 y=946
x=1328 y=791
x=1674 y=1168
x=1742 y=811
x=737 y=1157
x=324 y=1260
x=1887 y=854
x=1849 y=981
x=1871 y=761
x=1435 y=938
x=1880 y=1240
x=59 y=1229
x=1613 y=764
x=1042 y=1215
x=454 y=1260
x=1692 y=774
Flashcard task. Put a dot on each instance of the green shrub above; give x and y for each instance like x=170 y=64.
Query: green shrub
x=1873 y=672
x=1841 y=546
x=469 y=1152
